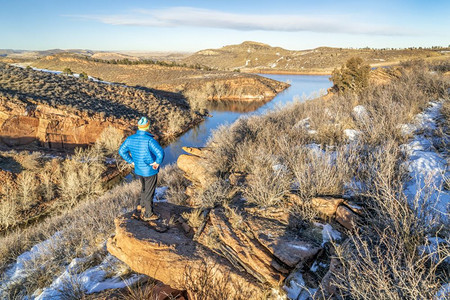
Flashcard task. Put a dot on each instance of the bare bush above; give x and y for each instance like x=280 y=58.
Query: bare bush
x=140 y=290
x=27 y=189
x=268 y=182
x=218 y=192
x=172 y=177
x=82 y=176
x=110 y=140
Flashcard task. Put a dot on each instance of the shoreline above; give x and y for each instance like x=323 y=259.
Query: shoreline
x=286 y=72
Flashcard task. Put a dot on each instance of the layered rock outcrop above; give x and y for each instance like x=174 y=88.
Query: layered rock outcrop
x=249 y=251
x=22 y=125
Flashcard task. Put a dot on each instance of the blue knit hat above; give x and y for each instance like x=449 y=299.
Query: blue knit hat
x=143 y=124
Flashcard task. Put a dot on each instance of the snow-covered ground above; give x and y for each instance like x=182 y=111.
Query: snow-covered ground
x=427 y=165
x=92 y=280
x=76 y=75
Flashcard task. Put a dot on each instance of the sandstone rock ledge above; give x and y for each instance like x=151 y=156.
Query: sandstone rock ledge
x=250 y=254
x=172 y=255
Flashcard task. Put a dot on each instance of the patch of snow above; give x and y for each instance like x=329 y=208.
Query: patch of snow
x=273 y=65
x=17 y=272
x=443 y=293
x=160 y=194
x=93 y=280
x=312 y=131
x=304 y=123
x=360 y=113
x=427 y=167
x=328 y=233
x=431 y=248
x=277 y=54
x=296 y=288
x=247 y=62
x=300 y=247
x=352 y=134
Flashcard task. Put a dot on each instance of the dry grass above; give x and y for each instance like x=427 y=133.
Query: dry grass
x=81 y=232
x=194 y=218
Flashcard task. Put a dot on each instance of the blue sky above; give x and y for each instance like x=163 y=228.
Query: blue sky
x=195 y=25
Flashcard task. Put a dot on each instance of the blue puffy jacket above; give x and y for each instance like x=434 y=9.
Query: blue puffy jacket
x=142 y=150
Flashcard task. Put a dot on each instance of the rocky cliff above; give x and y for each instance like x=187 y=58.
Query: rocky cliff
x=62 y=112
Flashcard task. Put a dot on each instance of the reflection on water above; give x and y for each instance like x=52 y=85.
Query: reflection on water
x=222 y=112
x=235 y=106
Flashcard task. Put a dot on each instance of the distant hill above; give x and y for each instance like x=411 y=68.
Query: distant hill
x=176 y=78
x=258 y=57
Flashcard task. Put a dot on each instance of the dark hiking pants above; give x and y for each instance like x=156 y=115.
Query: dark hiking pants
x=147 y=193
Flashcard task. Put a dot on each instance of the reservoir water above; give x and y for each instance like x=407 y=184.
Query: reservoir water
x=302 y=86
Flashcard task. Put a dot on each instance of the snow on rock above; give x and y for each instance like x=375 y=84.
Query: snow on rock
x=427 y=167
x=328 y=233
x=296 y=288
x=93 y=280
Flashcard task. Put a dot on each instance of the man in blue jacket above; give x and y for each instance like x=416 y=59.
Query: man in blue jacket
x=145 y=153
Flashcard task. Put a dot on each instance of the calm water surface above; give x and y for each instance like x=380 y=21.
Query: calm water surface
x=226 y=113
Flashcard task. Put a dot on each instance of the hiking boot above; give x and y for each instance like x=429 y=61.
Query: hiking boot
x=152 y=217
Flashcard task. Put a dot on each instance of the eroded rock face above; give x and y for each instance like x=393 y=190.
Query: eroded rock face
x=170 y=255
x=249 y=250
x=52 y=128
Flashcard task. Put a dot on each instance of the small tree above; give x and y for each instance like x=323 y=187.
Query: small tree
x=83 y=76
x=353 y=76
x=67 y=71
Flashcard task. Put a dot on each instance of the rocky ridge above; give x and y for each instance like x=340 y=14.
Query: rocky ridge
x=262 y=58
x=212 y=85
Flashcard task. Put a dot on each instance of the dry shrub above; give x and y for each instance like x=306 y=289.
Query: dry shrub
x=321 y=172
x=218 y=192
x=8 y=213
x=139 y=291
x=172 y=177
x=381 y=259
x=82 y=176
x=268 y=182
x=177 y=122
x=383 y=268
x=194 y=218
x=29 y=161
x=27 y=189
x=82 y=232
x=110 y=140
x=197 y=100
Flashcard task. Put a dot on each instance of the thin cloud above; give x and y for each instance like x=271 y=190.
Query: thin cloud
x=197 y=17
